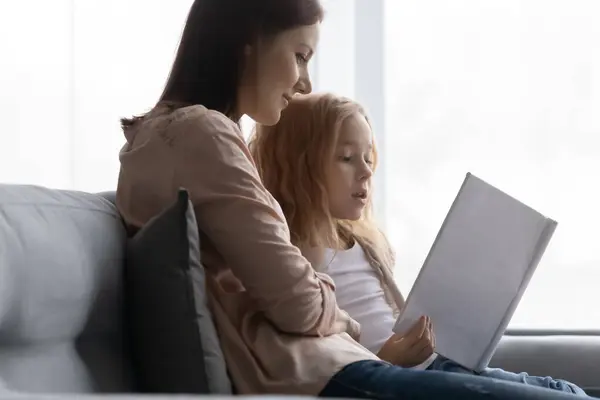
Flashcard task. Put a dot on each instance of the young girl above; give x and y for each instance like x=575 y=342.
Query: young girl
x=318 y=161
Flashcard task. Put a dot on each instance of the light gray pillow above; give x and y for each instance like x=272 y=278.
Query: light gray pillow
x=174 y=343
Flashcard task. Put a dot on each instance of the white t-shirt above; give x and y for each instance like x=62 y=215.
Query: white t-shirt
x=359 y=293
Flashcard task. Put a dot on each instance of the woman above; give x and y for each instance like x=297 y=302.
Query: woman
x=280 y=327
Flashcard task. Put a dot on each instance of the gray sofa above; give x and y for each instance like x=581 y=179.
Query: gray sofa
x=61 y=263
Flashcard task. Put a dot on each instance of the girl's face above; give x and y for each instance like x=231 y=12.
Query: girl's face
x=276 y=69
x=350 y=171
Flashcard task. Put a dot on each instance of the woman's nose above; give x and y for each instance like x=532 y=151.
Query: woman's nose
x=304 y=84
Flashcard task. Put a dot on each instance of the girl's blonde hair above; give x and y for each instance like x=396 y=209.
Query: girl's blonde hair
x=292 y=158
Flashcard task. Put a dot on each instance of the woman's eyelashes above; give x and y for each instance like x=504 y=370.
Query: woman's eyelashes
x=301 y=58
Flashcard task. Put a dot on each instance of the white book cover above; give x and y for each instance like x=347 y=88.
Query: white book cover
x=476 y=272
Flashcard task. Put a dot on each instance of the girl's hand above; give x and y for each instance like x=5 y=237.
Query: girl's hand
x=412 y=349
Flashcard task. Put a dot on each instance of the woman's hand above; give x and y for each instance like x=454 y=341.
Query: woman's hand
x=412 y=349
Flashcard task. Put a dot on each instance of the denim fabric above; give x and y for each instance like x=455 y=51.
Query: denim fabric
x=443 y=364
x=382 y=381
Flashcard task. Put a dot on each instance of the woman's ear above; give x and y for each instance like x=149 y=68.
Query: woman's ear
x=248 y=66
x=251 y=56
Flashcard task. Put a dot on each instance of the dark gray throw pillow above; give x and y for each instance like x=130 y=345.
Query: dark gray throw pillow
x=172 y=338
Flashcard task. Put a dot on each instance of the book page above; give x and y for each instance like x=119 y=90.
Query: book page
x=478 y=266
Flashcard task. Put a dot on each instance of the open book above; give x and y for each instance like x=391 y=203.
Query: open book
x=476 y=272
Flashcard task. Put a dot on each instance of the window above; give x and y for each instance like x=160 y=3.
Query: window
x=506 y=89
x=69 y=71
x=509 y=90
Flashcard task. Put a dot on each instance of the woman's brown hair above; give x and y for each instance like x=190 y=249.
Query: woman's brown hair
x=209 y=59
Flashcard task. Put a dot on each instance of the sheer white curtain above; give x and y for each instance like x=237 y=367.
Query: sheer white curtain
x=509 y=90
x=506 y=89
x=70 y=69
x=35 y=96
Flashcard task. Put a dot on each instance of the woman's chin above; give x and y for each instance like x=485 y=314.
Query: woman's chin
x=267 y=117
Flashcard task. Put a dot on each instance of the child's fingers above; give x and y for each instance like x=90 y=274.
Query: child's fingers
x=424 y=342
x=424 y=354
x=415 y=332
x=427 y=341
x=431 y=332
x=426 y=326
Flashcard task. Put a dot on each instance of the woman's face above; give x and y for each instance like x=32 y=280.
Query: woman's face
x=276 y=69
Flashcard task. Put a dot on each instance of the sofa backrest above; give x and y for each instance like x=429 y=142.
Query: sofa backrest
x=61 y=266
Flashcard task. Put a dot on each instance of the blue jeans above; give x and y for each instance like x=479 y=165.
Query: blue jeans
x=443 y=364
x=382 y=381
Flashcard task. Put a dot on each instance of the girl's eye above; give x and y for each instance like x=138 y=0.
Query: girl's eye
x=369 y=162
x=345 y=158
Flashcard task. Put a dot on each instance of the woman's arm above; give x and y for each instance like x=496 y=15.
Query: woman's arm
x=248 y=229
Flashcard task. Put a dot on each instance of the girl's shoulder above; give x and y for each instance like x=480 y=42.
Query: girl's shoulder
x=375 y=244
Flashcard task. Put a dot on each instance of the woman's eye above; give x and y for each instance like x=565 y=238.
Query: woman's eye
x=301 y=58
x=345 y=158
